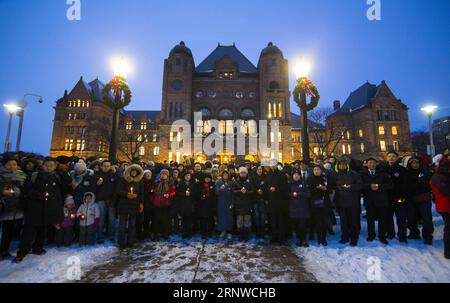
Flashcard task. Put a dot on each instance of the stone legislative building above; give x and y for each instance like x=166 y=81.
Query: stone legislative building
x=227 y=87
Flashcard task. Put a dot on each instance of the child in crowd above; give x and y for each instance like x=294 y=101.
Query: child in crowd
x=89 y=216
x=64 y=231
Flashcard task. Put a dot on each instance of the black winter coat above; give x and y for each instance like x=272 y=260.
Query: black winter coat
x=348 y=197
x=299 y=207
x=186 y=204
x=243 y=203
x=279 y=199
x=128 y=206
x=107 y=191
x=319 y=194
x=417 y=182
x=206 y=202
x=259 y=182
x=43 y=199
x=399 y=187
x=380 y=197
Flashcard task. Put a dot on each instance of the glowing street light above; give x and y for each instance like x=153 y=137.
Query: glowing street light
x=121 y=67
x=429 y=110
x=12 y=109
x=302 y=68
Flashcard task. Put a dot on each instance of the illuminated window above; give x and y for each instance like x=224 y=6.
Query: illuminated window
x=79 y=103
x=280 y=110
x=349 y=149
x=128 y=125
x=292 y=151
x=343 y=149
x=143 y=125
x=279 y=137
x=87 y=103
x=381 y=130
x=141 y=151
x=362 y=147
x=394 y=131
x=347 y=135
x=274 y=110
x=140 y=138
x=80 y=144
x=155 y=137
x=360 y=133
x=395 y=145
x=383 y=145
x=101 y=146
x=69 y=144
x=316 y=151
x=252 y=127
x=171 y=136
x=170 y=156
x=269 y=115
x=156 y=151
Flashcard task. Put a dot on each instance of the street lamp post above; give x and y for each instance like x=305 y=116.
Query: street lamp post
x=304 y=88
x=121 y=97
x=12 y=109
x=21 y=113
x=429 y=109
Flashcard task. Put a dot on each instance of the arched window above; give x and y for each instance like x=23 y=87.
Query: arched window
x=225 y=114
x=247 y=113
x=206 y=113
x=394 y=131
x=141 y=151
x=381 y=130
x=274 y=85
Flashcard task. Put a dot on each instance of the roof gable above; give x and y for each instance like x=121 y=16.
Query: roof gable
x=244 y=64
x=360 y=97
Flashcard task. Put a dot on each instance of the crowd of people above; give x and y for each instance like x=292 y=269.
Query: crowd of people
x=64 y=200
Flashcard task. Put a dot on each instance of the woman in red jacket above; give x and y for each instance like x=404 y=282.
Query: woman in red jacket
x=164 y=192
x=440 y=185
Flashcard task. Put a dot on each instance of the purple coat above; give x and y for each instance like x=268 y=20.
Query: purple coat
x=70 y=216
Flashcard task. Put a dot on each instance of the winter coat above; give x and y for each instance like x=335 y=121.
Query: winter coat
x=398 y=190
x=11 y=206
x=206 y=200
x=380 y=197
x=259 y=182
x=299 y=207
x=440 y=184
x=418 y=183
x=129 y=184
x=87 y=182
x=348 y=197
x=159 y=200
x=243 y=202
x=43 y=199
x=89 y=214
x=186 y=204
x=149 y=194
x=317 y=194
x=107 y=191
x=279 y=199
x=224 y=202
x=70 y=217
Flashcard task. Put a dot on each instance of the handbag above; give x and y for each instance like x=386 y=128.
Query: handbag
x=425 y=197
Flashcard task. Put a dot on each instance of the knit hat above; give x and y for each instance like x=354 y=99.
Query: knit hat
x=80 y=165
x=164 y=172
x=147 y=171
x=243 y=169
x=69 y=200
x=437 y=159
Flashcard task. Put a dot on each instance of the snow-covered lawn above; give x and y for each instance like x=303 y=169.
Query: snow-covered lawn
x=399 y=263
x=56 y=265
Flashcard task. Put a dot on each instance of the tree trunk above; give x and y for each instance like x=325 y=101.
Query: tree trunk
x=114 y=136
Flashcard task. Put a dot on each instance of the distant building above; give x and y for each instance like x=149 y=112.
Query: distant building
x=226 y=86
x=441 y=133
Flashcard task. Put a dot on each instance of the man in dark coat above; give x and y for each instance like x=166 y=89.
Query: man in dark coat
x=43 y=207
x=107 y=181
x=242 y=201
x=376 y=186
x=347 y=198
x=397 y=198
x=278 y=191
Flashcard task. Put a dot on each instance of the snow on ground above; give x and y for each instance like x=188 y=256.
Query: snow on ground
x=55 y=264
x=400 y=263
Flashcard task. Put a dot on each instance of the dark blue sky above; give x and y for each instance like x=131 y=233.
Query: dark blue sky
x=42 y=52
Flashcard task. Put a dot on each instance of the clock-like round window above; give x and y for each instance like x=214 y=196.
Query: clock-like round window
x=252 y=95
x=198 y=94
x=212 y=94
x=239 y=95
x=177 y=84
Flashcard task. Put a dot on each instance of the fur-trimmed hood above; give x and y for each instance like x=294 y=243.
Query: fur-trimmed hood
x=127 y=173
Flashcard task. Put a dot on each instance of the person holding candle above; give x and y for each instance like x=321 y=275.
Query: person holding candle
x=320 y=202
x=259 y=201
x=206 y=206
x=64 y=231
x=164 y=193
x=348 y=199
x=83 y=180
x=174 y=209
x=89 y=215
x=376 y=186
x=43 y=208
x=224 y=195
x=299 y=209
x=12 y=180
x=149 y=193
x=131 y=197
x=243 y=202
x=186 y=192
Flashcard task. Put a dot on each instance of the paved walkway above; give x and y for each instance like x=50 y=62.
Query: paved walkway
x=202 y=261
